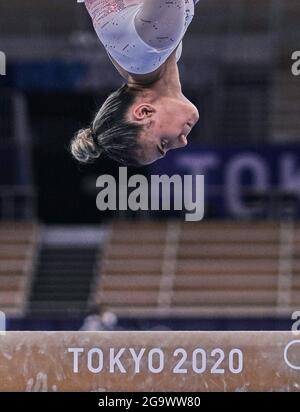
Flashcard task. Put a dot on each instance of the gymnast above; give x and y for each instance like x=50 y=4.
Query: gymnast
x=149 y=115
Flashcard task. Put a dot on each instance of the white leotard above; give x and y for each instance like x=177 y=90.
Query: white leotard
x=116 y=28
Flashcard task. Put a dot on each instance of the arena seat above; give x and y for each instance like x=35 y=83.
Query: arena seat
x=208 y=267
x=17 y=252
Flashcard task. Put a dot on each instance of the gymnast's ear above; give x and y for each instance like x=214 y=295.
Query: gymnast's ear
x=142 y=111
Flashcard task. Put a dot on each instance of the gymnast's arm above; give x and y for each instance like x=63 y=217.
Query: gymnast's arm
x=160 y=23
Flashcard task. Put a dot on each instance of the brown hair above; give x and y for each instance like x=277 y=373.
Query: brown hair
x=110 y=133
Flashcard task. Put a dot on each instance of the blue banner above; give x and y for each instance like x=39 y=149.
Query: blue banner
x=241 y=181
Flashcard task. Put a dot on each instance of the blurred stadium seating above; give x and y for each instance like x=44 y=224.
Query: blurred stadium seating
x=205 y=269
x=18 y=248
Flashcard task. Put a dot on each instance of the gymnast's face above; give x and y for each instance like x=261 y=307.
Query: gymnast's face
x=167 y=123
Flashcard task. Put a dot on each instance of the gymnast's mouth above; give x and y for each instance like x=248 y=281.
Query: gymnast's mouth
x=185 y=132
x=190 y=126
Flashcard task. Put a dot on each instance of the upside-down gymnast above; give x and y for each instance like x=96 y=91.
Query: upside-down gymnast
x=149 y=114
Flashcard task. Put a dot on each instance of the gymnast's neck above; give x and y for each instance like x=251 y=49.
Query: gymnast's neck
x=166 y=79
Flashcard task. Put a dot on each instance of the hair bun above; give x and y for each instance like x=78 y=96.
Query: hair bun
x=83 y=147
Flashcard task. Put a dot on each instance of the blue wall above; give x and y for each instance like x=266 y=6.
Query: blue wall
x=157 y=324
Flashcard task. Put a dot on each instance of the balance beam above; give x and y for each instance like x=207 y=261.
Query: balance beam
x=149 y=361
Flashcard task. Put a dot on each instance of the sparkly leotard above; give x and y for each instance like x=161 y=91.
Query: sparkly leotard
x=116 y=26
